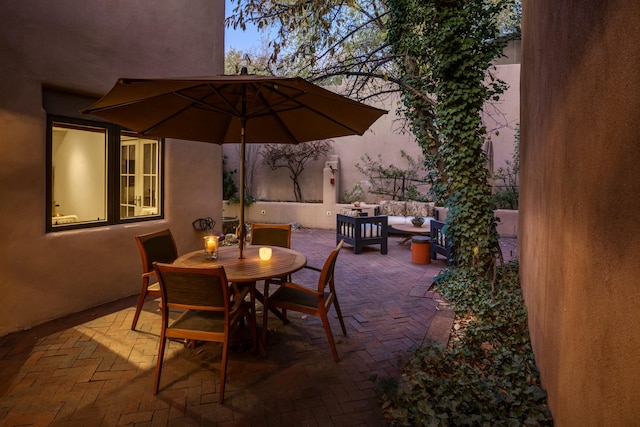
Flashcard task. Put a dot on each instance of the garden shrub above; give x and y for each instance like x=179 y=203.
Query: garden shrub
x=354 y=195
x=486 y=376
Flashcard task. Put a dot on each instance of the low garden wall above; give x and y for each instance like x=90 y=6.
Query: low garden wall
x=322 y=215
x=310 y=215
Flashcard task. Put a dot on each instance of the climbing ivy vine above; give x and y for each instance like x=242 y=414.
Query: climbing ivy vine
x=445 y=48
x=438 y=53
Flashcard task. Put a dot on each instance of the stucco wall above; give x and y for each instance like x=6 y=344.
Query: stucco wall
x=387 y=138
x=83 y=46
x=579 y=204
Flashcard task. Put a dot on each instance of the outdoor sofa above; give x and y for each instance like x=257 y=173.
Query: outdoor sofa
x=400 y=212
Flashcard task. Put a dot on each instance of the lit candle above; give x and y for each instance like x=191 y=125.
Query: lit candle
x=212 y=244
x=265 y=254
x=211 y=247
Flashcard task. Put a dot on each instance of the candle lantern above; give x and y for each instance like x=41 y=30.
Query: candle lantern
x=211 y=247
x=265 y=254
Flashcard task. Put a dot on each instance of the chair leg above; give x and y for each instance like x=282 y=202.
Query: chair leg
x=327 y=329
x=337 y=306
x=253 y=329
x=141 y=298
x=260 y=297
x=252 y=321
x=223 y=370
x=265 y=321
x=161 y=348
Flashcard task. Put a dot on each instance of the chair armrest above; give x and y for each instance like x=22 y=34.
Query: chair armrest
x=280 y=281
x=299 y=288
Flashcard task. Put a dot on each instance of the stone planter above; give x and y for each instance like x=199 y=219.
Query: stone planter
x=229 y=224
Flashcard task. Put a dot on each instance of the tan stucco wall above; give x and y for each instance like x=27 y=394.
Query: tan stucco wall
x=84 y=46
x=387 y=138
x=579 y=204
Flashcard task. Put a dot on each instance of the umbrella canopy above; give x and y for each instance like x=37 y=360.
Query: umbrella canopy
x=234 y=109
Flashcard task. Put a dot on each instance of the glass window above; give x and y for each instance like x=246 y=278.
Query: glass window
x=101 y=174
x=79 y=174
x=138 y=176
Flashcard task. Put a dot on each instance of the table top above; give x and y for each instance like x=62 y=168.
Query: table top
x=410 y=228
x=251 y=268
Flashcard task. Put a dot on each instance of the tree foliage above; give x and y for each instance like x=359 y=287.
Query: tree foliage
x=256 y=61
x=506 y=195
x=333 y=41
x=229 y=187
x=294 y=158
x=338 y=41
x=438 y=53
x=447 y=47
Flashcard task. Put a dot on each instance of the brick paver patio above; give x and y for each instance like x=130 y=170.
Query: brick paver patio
x=90 y=369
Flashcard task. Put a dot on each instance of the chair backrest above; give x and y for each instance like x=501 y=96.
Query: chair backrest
x=271 y=235
x=158 y=246
x=193 y=288
x=326 y=275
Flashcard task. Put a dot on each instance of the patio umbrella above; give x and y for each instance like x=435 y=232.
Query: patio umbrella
x=234 y=109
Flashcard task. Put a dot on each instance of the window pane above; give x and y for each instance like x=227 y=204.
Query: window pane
x=140 y=165
x=79 y=174
x=123 y=190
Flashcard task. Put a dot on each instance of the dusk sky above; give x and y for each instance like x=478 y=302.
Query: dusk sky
x=238 y=39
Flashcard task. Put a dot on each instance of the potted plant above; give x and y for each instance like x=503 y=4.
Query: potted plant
x=417 y=221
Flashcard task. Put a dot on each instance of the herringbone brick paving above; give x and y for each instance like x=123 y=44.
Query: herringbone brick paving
x=90 y=369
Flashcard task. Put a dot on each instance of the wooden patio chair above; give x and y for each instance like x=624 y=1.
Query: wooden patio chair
x=158 y=246
x=209 y=313
x=271 y=235
x=315 y=302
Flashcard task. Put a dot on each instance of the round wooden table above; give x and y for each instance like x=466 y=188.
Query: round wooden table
x=412 y=230
x=250 y=268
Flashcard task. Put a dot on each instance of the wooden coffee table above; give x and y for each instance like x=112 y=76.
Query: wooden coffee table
x=412 y=230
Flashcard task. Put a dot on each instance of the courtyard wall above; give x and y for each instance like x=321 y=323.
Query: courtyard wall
x=579 y=204
x=83 y=46
x=387 y=137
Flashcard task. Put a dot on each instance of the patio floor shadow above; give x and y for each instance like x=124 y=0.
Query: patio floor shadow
x=90 y=369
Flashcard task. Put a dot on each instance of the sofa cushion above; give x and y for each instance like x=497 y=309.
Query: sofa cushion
x=406 y=220
x=393 y=208
x=398 y=220
x=422 y=209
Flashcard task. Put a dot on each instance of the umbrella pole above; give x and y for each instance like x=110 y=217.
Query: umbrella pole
x=242 y=230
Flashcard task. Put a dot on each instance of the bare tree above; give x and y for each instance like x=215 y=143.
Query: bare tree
x=294 y=158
